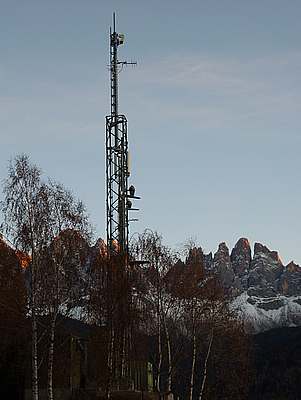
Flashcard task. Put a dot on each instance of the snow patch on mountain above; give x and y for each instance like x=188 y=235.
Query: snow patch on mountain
x=261 y=314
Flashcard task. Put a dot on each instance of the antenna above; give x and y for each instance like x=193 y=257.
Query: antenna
x=118 y=202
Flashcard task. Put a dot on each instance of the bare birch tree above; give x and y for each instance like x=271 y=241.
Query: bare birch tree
x=62 y=260
x=162 y=303
x=24 y=219
x=35 y=215
x=207 y=322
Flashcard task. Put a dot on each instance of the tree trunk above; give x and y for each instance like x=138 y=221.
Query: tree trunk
x=123 y=354
x=192 y=365
x=34 y=334
x=169 y=380
x=34 y=357
x=205 y=366
x=159 y=358
x=110 y=363
x=50 y=358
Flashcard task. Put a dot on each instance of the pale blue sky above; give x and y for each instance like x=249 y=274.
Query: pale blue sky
x=213 y=106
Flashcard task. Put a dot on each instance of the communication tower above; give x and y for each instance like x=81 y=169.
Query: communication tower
x=119 y=194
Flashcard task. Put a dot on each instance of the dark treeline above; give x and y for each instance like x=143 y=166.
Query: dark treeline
x=277 y=364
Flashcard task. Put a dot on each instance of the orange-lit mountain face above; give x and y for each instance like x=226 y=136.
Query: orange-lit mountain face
x=24 y=259
x=12 y=286
x=8 y=256
x=67 y=239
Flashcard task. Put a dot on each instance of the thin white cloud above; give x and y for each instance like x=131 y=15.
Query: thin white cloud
x=221 y=90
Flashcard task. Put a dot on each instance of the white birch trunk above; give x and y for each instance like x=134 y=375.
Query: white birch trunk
x=205 y=366
x=192 y=366
x=169 y=379
x=34 y=357
x=110 y=362
x=159 y=358
x=34 y=334
x=50 y=358
x=123 y=354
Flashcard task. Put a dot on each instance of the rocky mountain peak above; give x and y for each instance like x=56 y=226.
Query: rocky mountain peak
x=260 y=249
x=241 y=256
x=208 y=261
x=243 y=242
x=290 y=281
x=293 y=267
x=222 y=265
x=265 y=270
x=222 y=252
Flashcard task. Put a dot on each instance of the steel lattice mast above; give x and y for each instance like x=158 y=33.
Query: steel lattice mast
x=117 y=170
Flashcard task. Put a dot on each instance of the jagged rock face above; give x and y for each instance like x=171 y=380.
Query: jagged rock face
x=265 y=293
x=208 y=261
x=266 y=269
x=222 y=266
x=260 y=249
x=290 y=281
x=273 y=293
x=241 y=257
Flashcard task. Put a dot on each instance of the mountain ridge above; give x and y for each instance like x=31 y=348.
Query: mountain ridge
x=266 y=293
